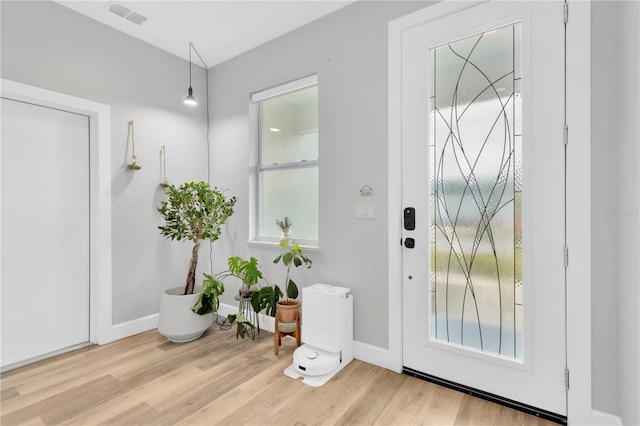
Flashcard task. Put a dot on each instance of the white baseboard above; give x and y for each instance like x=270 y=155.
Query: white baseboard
x=362 y=351
x=140 y=325
x=224 y=309
x=129 y=328
x=371 y=354
x=604 y=419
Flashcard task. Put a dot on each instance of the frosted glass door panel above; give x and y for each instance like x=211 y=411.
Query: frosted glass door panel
x=45 y=230
x=476 y=221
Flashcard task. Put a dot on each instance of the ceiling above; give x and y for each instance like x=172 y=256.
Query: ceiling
x=219 y=30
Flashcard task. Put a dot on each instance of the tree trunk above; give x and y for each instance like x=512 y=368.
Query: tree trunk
x=191 y=276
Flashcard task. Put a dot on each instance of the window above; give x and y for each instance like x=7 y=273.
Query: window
x=288 y=160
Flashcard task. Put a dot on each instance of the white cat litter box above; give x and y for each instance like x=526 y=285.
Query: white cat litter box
x=327 y=334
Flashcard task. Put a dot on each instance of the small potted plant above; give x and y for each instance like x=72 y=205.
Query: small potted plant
x=270 y=297
x=284 y=226
x=195 y=212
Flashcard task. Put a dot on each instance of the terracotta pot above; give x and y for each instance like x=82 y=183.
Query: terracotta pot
x=288 y=309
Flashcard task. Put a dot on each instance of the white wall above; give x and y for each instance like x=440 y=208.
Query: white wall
x=348 y=51
x=615 y=188
x=50 y=46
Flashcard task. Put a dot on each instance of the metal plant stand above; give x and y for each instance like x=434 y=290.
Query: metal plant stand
x=246 y=310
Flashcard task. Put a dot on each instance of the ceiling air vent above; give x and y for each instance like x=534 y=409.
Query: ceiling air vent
x=136 y=18
x=126 y=13
x=119 y=9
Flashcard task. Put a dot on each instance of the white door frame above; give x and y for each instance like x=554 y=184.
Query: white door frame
x=578 y=171
x=100 y=330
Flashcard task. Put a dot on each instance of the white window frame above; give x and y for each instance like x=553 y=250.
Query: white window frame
x=256 y=192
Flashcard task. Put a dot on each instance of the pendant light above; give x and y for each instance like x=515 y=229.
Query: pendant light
x=190 y=100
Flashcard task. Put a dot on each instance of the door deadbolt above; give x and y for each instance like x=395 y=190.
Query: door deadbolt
x=409 y=243
x=409 y=218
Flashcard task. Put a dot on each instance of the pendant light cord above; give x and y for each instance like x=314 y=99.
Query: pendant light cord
x=190 y=45
x=220 y=321
x=206 y=76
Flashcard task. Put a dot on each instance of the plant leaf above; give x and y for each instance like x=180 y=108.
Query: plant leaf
x=292 y=290
x=266 y=298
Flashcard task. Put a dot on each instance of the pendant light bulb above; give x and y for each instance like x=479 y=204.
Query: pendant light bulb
x=190 y=100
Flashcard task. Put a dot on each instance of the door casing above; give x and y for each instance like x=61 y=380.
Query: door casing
x=101 y=330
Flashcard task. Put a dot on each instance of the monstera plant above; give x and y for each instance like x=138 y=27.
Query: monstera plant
x=249 y=273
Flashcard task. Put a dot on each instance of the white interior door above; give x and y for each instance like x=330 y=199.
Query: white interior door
x=45 y=231
x=483 y=165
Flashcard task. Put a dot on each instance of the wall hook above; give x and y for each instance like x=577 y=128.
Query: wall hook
x=366 y=191
x=133 y=164
x=164 y=182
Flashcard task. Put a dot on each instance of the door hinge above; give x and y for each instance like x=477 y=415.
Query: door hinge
x=566 y=256
x=565 y=136
x=566 y=12
x=566 y=378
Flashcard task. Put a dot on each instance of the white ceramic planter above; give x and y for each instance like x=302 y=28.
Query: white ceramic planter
x=178 y=323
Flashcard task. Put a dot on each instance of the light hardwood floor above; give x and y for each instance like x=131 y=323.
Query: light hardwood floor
x=218 y=379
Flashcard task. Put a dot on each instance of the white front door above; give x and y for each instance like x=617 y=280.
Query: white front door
x=45 y=231
x=483 y=190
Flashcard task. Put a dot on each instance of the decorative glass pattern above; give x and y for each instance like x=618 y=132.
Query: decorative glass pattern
x=476 y=192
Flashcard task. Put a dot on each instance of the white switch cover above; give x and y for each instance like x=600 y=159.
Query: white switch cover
x=365 y=211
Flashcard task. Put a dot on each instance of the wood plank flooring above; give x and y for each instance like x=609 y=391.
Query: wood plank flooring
x=218 y=379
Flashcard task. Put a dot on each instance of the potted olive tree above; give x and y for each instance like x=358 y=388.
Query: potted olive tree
x=195 y=212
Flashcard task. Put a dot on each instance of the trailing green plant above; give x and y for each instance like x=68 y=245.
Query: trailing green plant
x=194 y=211
x=267 y=297
x=243 y=324
x=212 y=289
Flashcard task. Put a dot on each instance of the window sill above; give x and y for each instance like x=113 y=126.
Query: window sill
x=276 y=246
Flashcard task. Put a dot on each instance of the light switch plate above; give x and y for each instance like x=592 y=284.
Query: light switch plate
x=365 y=211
